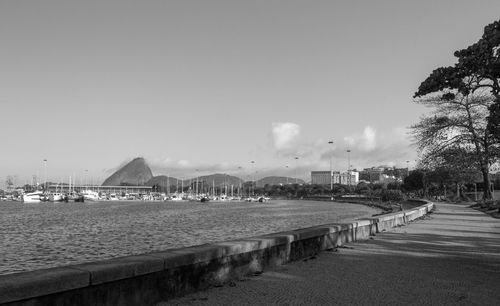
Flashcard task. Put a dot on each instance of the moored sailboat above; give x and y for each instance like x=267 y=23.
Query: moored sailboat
x=32 y=197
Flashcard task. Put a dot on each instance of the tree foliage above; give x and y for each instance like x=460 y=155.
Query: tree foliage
x=454 y=137
x=466 y=98
x=478 y=66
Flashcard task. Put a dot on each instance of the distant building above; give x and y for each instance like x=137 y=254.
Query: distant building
x=383 y=174
x=397 y=173
x=325 y=177
x=349 y=178
x=104 y=189
x=371 y=175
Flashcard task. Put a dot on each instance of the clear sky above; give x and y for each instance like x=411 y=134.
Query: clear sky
x=213 y=85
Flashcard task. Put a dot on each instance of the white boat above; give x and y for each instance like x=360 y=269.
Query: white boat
x=89 y=195
x=263 y=199
x=55 y=197
x=32 y=197
x=177 y=197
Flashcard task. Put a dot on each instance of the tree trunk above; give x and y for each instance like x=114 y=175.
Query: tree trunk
x=486 y=179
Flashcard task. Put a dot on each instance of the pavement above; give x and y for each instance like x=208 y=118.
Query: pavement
x=450 y=257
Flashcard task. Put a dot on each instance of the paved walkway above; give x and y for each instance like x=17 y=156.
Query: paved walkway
x=450 y=258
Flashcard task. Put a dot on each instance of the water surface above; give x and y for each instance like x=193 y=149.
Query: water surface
x=35 y=236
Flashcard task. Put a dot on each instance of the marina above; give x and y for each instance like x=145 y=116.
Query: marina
x=56 y=233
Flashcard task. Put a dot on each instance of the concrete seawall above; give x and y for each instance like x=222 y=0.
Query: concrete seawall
x=149 y=278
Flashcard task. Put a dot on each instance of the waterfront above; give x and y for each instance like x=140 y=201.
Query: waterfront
x=36 y=236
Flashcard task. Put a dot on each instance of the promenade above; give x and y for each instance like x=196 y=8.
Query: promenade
x=452 y=257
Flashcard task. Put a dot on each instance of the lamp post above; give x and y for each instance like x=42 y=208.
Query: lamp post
x=349 y=169
x=331 y=170
x=45 y=169
x=252 y=177
x=296 y=166
x=286 y=175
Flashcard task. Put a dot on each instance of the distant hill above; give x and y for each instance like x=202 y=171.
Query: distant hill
x=277 y=180
x=219 y=180
x=135 y=173
x=163 y=181
x=205 y=182
x=138 y=173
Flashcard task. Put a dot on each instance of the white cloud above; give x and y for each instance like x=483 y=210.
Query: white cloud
x=183 y=163
x=285 y=135
x=369 y=139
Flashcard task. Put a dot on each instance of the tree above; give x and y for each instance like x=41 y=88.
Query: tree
x=414 y=181
x=456 y=132
x=478 y=67
x=452 y=165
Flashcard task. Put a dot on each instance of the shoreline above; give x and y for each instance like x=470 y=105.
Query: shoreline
x=438 y=260
x=152 y=277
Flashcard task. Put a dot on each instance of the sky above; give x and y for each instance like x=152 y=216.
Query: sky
x=201 y=87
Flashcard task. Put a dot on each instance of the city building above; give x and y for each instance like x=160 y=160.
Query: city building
x=98 y=188
x=324 y=178
x=349 y=178
x=371 y=175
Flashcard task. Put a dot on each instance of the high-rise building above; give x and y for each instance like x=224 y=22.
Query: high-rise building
x=324 y=178
x=349 y=178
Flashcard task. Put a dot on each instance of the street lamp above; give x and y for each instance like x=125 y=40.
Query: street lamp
x=296 y=166
x=45 y=168
x=252 y=177
x=286 y=175
x=331 y=170
x=349 y=169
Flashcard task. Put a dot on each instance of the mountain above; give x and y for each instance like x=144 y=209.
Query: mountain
x=219 y=180
x=277 y=180
x=135 y=173
x=163 y=181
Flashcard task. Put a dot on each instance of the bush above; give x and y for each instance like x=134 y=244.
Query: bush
x=390 y=195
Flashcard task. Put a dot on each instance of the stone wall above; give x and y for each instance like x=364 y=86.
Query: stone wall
x=149 y=278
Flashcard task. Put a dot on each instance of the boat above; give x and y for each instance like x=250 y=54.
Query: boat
x=90 y=195
x=56 y=197
x=32 y=197
x=176 y=197
x=75 y=197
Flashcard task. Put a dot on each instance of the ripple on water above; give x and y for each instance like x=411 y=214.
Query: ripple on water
x=36 y=236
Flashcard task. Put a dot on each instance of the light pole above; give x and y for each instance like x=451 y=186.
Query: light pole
x=349 y=169
x=45 y=169
x=252 y=177
x=331 y=170
x=296 y=166
x=286 y=175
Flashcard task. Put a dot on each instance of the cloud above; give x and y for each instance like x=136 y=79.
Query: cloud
x=367 y=141
x=285 y=135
